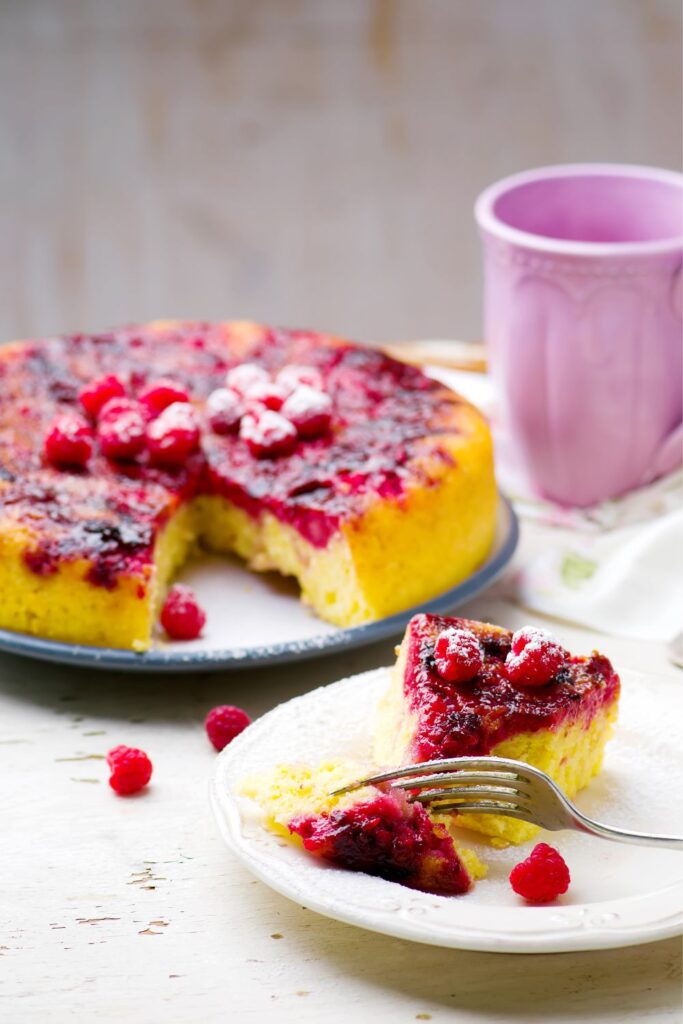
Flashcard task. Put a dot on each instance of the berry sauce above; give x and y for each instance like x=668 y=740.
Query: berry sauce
x=110 y=510
x=457 y=719
x=388 y=837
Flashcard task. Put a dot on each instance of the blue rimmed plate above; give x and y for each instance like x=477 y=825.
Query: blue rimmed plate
x=242 y=605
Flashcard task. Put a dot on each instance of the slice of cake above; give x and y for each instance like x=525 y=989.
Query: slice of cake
x=463 y=688
x=373 y=830
x=364 y=479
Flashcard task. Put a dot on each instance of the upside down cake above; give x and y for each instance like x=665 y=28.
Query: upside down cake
x=366 y=480
x=462 y=688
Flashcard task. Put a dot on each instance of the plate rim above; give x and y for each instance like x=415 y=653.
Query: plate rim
x=111 y=658
x=588 y=926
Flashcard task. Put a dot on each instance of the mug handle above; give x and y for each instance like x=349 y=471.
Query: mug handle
x=669 y=455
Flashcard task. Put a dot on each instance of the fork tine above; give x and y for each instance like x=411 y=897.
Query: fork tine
x=508 y=796
x=516 y=770
x=485 y=808
x=500 y=785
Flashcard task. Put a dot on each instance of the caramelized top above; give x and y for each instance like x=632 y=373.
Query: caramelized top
x=382 y=412
x=459 y=719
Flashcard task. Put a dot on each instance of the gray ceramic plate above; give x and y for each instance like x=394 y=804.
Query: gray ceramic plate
x=244 y=608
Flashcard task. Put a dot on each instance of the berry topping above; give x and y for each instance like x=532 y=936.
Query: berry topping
x=268 y=434
x=542 y=876
x=116 y=406
x=224 y=723
x=68 y=441
x=181 y=616
x=244 y=377
x=99 y=392
x=458 y=655
x=173 y=435
x=225 y=408
x=130 y=769
x=309 y=410
x=267 y=395
x=161 y=393
x=121 y=434
x=535 y=657
x=292 y=377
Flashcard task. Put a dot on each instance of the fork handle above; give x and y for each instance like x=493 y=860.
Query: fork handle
x=620 y=835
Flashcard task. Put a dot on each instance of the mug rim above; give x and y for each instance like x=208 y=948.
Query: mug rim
x=489 y=222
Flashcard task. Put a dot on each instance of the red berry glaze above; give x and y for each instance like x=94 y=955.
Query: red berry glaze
x=130 y=769
x=181 y=615
x=161 y=393
x=542 y=876
x=68 y=441
x=225 y=408
x=121 y=435
x=309 y=410
x=268 y=434
x=224 y=723
x=173 y=435
x=99 y=391
x=535 y=657
x=458 y=655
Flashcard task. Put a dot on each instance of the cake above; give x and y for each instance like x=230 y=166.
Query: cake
x=376 y=493
x=463 y=688
x=373 y=830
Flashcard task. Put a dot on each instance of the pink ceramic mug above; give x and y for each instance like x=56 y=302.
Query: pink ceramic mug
x=583 y=319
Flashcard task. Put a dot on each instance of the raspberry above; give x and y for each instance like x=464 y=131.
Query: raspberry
x=268 y=434
x=535 y=658
x=161 y=393
x=267 y=395
x=309 y=410
x=225 y=722
x=173 y=435
x=99 y=391
x=542 y=876
x=244 y=377
x=116 y=406
x=121 y=434
x=68 y=441
x=181 y=616
x=458 y=655
x=225 y=409
x=130 y=769
x=292 y=377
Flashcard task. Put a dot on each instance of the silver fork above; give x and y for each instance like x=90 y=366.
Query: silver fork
x=499 y=785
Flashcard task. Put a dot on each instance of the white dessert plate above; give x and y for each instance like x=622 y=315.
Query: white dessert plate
x=619 y=895
x=244 y=609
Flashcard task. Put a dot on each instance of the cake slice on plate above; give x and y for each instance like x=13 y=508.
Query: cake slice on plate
x=463 y=688
x=373 y=830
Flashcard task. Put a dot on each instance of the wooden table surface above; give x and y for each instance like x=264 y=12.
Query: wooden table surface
x=309 y=162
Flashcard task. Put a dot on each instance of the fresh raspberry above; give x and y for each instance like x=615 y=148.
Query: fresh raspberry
x=181 y=616
x=458 y=655
x=68 y=441
x=173 y=435
x=130 y=769
x=121 y=434
x=225 y=722
x=246 y=376
x=292 y=377
x=225 y=409
x=266 y=395
x=161 y=393
x=99 y=391
x=268 y=434
x=117 y=406
x=542 y=876
x=309 y=410
x=535 y=658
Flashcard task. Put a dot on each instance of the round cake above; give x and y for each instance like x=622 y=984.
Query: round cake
x=366 y=480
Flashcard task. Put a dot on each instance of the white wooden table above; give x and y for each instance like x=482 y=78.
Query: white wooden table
x=132 y=909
